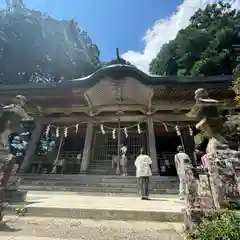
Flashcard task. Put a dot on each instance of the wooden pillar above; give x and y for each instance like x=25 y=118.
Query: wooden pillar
x=87 y=148
x=32 y=145
x=152 y=146
x=118 y=146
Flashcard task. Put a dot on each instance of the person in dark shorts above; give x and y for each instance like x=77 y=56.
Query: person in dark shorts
x=143 y=173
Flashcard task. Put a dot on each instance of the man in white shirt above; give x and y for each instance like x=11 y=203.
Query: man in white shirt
x=123 y=159
x=143 y=172
x=179 y=160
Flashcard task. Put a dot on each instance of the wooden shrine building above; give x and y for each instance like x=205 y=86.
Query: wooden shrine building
x=92 y=116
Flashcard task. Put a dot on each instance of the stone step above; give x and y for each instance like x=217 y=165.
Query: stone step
x=77 y=189
x=98 y=183
x=58 y=183
x=107 y=164
x=93 y=181
x=104 y=182
x=107 y=168
x=110 y=161
x=95 y=178
x=106 y=172
x=104 y=167
x=84 y=176
x=71 y=176
x=161 y=192
x=100 y=214
x=94 y=190
x=90 y=189
x=106 y=185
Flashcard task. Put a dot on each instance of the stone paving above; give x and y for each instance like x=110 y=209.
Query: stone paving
x=32 y=228
x=46 y=222
x=63 y=200
x=72 y=205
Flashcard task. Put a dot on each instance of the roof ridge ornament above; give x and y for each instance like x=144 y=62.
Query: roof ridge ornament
x=117 y=54
x=119 y=60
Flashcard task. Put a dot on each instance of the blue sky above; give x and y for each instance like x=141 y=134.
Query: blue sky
x=110 y=23
x=138 y=28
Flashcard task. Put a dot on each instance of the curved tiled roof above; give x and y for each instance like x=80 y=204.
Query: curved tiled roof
x=120 y=71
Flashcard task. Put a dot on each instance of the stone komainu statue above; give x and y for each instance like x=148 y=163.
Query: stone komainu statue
x=204 y=106
x=10 y=121
x=219 y=161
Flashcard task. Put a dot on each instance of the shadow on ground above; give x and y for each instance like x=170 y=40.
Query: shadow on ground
x=5 y=226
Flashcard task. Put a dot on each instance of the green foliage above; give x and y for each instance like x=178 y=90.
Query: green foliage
x=234 y=205
x=205 y=47
x=224 y=226
x=200 y=138
x=36 y=48
x=20 y=211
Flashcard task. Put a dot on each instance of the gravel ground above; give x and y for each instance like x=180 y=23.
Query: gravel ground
x=55 y=228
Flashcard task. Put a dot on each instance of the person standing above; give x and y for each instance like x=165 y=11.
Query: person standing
x=179 y=160
x=123 y=159
x=143 y=172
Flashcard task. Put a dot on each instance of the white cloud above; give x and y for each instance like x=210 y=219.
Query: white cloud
x=165 y=30
x=236 y=4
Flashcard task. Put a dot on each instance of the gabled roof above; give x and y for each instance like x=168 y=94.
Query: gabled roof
x=120 y=71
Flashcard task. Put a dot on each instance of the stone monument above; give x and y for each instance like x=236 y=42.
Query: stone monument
x=217 y=183
x=10 y=127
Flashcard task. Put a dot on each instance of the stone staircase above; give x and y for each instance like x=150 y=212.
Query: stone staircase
x=95 y=184
x=104 y=167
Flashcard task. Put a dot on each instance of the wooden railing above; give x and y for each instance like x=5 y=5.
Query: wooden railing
x=74 y=157
x=161 y=157
x=69 y=160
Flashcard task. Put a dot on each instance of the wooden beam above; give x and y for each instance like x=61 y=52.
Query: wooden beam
x=156 y=107
x=114 y=118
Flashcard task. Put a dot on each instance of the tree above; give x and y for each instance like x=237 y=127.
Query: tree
x=205 y=47
x=37 y=48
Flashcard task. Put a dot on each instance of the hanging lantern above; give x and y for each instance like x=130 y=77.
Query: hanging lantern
x=76 y=128
x=114 y=133
x=57 y=132
x=190 y=130
x=125 y=132
x=102 y=129
x=139 y=129
x=65 y=132
x=48 y=130
x=178 y=130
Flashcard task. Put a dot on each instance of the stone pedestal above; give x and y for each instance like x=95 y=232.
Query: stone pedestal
x=152 y=146
x=14 y=196
x=87 y=148
x=7 y=162
x=9 y=181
